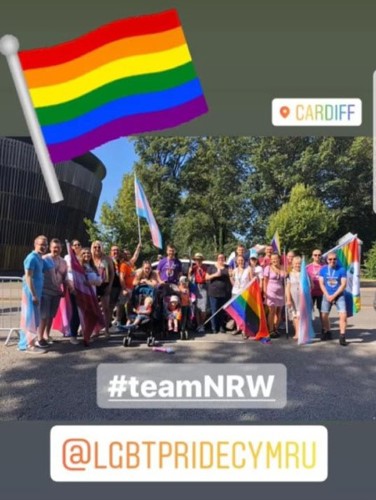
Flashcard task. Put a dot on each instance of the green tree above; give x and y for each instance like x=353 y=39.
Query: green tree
x=370 y=263
x=304 y=222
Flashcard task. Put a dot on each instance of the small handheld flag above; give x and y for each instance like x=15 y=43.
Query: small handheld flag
x=143 y=210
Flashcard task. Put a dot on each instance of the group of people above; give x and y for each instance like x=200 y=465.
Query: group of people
x=49 y=278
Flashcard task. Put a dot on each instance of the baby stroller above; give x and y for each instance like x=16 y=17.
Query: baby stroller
x=147 y=325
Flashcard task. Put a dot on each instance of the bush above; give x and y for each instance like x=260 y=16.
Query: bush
x=370 y=263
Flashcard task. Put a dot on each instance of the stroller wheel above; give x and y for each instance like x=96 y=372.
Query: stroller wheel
x=127 y=341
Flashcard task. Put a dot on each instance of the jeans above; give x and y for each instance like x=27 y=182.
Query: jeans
x=219 y=320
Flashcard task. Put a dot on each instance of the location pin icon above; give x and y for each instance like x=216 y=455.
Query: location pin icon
x=285 y=111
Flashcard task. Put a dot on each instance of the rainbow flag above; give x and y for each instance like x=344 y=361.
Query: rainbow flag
x=248 y=311
x=143 y=210
x=305 y=332
x=348 y=255
x=128 y=77
x=276 y=244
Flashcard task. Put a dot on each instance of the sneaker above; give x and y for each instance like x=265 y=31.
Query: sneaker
x=49 y=341
x=74 y=340
x=35 y=350
x=343 y=341
x=274 y=335
x=41 y=344
x=323 y=336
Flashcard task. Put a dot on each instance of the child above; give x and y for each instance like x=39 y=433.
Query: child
x=173 y=314
x=185 y=300
x=143 y=312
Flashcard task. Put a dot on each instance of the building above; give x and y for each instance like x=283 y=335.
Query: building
x=25 y=207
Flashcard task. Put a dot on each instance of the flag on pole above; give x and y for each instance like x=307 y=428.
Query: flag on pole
x=305 y=331
x=348 y=254
x=143 y=210
x=248 y=311
x=127 y=77
x=276 y=244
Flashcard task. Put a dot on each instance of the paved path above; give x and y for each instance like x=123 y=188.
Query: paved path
x=325 y=381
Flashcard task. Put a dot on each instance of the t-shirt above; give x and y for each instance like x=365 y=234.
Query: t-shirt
x=169 y=270
x=34 y=262
x=332 y=278
x=313 y=271
x=199 y=274
x=219 y=286
x=129 y=272
x=55 y=276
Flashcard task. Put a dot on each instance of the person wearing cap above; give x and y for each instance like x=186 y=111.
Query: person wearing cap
x=173 y=314
x=197 y=273
x=255 y=268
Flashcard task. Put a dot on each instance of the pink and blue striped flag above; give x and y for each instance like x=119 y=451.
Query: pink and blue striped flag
x=276 y=244
x=305 y=330
x=143 y=210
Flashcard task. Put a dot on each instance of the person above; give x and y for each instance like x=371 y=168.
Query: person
x=287 y=261
x=313 y=271
x=91 y=317
x=332 y=279
x=143 y=312
x=266 y=258
x=197 y=274
x=74 y=322
x=239 y=252
x=292 y=293
x=240 y=277
x=173 y=314
x=32 y=286
x=146 y=275
x=127 y=275
x=255 y=268
x=116 y=296
x=219 y=291
x=274 y=293
x=105 y=267
x=170 y=269
x=54 y=287
x=185 y=303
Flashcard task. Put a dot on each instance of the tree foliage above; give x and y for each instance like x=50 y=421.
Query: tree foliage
x=207 y=193
x=304 y=222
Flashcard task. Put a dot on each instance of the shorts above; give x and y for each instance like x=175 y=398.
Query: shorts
x=318 y=300
x=49 y=305
x=340 y=303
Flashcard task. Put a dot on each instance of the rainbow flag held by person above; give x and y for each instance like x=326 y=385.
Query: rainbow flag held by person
x=248 y=311
x=130 y=76
x=276 y=244
x=348 y=254
x=305 y=332
x=143 y=210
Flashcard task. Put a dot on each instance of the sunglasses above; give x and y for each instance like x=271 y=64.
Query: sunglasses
x=77 y=244
x=97 y=247
x=317 y=254
x=332 y=260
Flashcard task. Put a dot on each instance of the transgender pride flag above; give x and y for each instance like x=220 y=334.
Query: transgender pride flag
x=143 y=210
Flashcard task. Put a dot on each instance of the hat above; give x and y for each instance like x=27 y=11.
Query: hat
x=174 y=298
x=253 y=254
x=198 y=256
x=183 y=279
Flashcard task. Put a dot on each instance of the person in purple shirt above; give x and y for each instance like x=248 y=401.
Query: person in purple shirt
x=170 y=268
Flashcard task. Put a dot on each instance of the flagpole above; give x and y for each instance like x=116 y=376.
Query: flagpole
x=9 y=46
x=285 y=283
x=139 y=229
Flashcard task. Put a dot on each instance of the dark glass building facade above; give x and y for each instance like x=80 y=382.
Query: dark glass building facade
x=25 y=207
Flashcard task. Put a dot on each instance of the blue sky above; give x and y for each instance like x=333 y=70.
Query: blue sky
x=118 y=157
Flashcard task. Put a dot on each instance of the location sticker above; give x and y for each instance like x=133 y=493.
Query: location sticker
x=285 y=111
